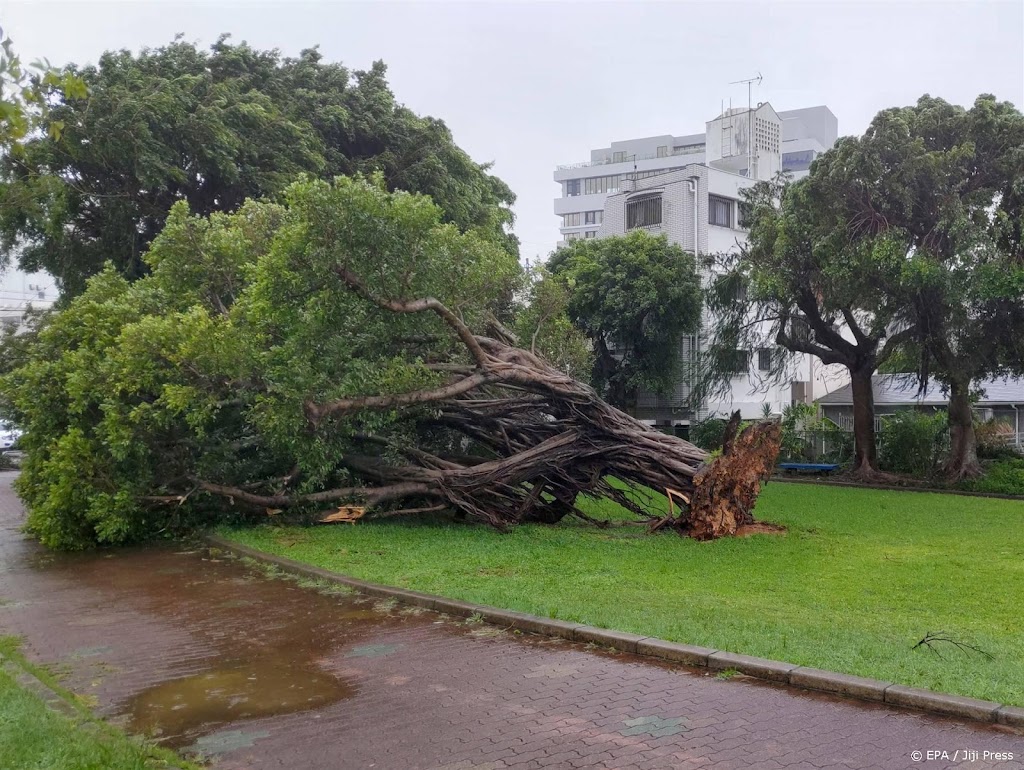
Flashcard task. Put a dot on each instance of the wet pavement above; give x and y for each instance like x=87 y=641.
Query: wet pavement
x=210 y=656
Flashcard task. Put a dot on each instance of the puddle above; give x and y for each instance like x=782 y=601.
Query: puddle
x=239 y=646
x=177 y=708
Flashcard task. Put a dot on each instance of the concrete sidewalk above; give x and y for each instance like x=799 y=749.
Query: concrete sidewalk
x=212 y=657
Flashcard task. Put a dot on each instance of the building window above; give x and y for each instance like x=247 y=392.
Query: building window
x=663 y=151
x=593 y=217
x=643 y=211
x=653 y=172
x=575 y=236
x=797 y=161
x=572 y=188
x=740 y=362
x=618 y=157
x=572 y=220
x=719 y=211
x=590 y=233
x=764 y=359
x=600 y=184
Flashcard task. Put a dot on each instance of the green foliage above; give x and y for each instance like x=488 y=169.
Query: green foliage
x=708 y=433
x=806 y=438
x=634 y=297
x=214 y=128
x=543 y=326
x=202 y=369
x=23 y=97
x=1004 y=477
x=859 y=576
x=913 y=442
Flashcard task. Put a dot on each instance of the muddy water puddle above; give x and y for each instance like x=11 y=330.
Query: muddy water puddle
x=180 y=707
x=250 y=646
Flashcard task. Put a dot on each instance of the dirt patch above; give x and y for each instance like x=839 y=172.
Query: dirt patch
x=759 y=528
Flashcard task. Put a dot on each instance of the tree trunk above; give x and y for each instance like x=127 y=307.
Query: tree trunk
x=606 y=370
x=865 y=462
x=963 y=451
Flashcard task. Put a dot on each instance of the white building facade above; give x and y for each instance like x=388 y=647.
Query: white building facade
x=799 y=136
x=693 y=196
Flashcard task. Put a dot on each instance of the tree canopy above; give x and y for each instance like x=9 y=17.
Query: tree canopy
x=941 y=188
x=634 y=297
x=213 y=128
x=905 y=239
x=794 y=286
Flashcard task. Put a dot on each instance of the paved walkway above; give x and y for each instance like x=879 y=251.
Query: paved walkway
x=211 y=657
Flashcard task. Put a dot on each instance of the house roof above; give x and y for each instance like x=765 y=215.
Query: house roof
x=902 y=390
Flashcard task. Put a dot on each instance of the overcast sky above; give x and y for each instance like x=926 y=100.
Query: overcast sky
x=533 y=85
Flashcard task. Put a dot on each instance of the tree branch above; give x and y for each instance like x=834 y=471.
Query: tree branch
x=316 y=412
x=371 y=495
x=854 y=326
x=827 y=355
x=359 y=286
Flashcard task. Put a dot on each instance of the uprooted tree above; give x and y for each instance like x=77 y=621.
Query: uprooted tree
x=343 y=349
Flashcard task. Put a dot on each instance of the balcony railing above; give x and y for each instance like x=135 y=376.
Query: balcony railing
x=630 y=158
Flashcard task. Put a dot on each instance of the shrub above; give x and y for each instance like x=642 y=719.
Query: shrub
x=805 y=438
x=913 y=442
x=994 y=439
x=1005 y=477
x=708 y=433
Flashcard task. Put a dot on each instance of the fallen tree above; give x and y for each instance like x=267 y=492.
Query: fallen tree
x=330 y=354
x=548 y=438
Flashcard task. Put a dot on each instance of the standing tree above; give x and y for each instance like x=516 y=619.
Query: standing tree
x=634 y=297
x=908 y=236
x=544 y=328
x=798 y=286
x=941 y=188
x=212 y=129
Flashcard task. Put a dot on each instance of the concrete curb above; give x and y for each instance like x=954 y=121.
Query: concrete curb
x=773 y=670
x=823 y=482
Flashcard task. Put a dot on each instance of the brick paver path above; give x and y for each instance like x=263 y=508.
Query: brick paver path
x=205 y=653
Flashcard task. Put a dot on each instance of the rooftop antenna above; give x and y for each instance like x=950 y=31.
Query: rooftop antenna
x=750 y=117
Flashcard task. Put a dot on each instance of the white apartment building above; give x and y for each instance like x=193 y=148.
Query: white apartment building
x=689 y=188
x=798 y=137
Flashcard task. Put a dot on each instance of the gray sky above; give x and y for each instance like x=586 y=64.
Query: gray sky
x=532 y=85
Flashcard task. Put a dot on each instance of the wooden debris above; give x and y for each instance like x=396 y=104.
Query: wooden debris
x=349 y=514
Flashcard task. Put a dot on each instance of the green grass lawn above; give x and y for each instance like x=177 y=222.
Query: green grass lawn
x=34 y=737
x=859 y=577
